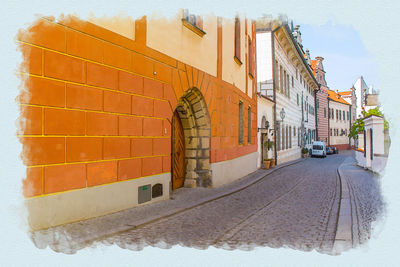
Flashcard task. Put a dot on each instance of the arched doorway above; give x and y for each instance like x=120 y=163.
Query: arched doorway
x=192 y=113
x=178 y=152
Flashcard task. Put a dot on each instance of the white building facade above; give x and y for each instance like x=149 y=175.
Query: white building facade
x=280 y=59
x=339 y=121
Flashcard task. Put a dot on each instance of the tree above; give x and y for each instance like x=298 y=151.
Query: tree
x=358 y=125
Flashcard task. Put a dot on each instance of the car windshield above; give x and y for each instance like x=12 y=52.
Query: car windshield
x=317 y=147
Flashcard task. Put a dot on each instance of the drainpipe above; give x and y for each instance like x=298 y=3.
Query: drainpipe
x=274 y=88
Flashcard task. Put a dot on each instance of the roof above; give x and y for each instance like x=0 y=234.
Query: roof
x=314 y=65
x=332 y=95
x=346 y=93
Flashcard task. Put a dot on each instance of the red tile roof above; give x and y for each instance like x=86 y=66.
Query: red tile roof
x=345 y=93
x=332 y=95
x=314 y=65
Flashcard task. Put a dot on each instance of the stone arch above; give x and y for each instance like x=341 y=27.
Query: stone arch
x=195 y=118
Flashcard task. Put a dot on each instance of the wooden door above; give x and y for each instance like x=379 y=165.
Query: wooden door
x=178 y=152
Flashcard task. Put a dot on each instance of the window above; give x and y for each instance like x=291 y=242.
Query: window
x=344 y=115
x=324 y=112
x=288 y=86
x=330 y=132
x=284 y=83
x=237 y=40
x=297 y=74
x=281 y=78
x=249 y=125
x=240 y=122
x=250 y=59
x=283 y=137
x=317 y=104
x=290 y=136
x=292 y=82
x=348 y=116
x=298 y=99
x=287 y=136
x=278 y=137
x=294 y=131
x=337 y=115
x=193 y=23
x=298 y=136
x=276 y=75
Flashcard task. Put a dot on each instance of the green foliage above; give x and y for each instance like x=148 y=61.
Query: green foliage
x=358 y=125
x=304 y=150
x=268 y=144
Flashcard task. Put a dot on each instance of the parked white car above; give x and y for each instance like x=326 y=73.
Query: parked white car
x=318 y=149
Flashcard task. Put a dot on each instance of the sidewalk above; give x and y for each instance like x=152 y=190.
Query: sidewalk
x=346 y=235
x=71 y=237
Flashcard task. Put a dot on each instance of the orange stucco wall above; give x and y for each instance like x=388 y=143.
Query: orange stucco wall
x=97 y=107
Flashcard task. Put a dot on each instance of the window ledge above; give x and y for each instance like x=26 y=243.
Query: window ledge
x=193 y=28
x=237 y=60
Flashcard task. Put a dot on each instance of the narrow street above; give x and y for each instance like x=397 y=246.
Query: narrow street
x=297 y=206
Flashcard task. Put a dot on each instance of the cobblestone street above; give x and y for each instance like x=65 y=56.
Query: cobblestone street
x=327 y=204
x=296 y=206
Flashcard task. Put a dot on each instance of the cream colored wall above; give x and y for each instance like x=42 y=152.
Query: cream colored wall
x=76 y=205
x=232 y=72
x=264 y=109
x=121 y=24
x=171 y=37
x=227 y=171
x=339 y=124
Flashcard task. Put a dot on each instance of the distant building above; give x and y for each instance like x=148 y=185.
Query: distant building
x=321 y=100
x=339 y=121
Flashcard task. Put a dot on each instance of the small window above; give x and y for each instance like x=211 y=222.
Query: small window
x=237 y=40
x=250 y=59
x=297 y=74
x=281 y=78
x=249 y=125
x=298 y=100
x=324 y=112
x=240 y=122
x=193 y=23
x=276 y=75
x=292 y=82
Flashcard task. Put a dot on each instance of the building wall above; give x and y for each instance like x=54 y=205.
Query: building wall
x=264 y=110
x=322 y=114
x=336 y=123
x=183 y=44
x=293 y=109
x=96 y=111
x=264 y=56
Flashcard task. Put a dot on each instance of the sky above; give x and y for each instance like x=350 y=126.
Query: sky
x=345 y=56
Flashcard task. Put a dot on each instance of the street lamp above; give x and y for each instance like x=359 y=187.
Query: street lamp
x=282 y=114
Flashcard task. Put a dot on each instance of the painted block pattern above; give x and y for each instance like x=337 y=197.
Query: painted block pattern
x=97 y=107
